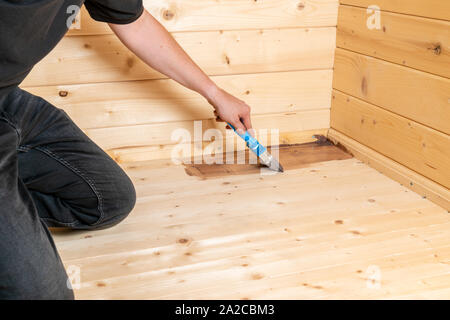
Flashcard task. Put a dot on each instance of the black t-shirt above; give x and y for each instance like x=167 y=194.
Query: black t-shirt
x=30 y=29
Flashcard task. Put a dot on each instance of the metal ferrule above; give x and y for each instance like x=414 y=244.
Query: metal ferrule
x=266 y=158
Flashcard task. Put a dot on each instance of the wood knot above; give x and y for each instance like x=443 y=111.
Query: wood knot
x=301 y=6
x=257 y=276
x=437 y=49
x=168 y=15
x=183 y=240
x=364 y=86
x=63 y=93
x=130 y=62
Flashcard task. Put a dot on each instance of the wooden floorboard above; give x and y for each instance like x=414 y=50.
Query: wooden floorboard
x=333 y=229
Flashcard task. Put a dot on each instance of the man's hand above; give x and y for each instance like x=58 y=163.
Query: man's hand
x=230 y=109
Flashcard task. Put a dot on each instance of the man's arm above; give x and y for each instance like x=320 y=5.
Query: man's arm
x=151 y=42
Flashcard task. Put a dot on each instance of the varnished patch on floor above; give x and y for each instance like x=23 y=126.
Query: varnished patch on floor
x=291 y=157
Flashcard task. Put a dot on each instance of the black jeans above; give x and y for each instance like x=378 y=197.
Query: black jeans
x=51 y=174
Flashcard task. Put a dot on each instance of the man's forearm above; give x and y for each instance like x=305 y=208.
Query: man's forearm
x=151 y=42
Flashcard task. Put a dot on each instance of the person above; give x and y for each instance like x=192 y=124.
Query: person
x=51 y=173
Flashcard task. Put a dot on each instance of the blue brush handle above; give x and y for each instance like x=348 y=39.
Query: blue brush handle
x=251 y=142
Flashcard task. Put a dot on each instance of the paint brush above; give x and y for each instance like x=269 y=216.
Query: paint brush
x=261 y=152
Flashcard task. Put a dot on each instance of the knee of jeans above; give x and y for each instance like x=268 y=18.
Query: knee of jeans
x=118 y=204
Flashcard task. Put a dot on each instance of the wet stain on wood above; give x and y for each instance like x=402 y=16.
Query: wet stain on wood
x=292 y=156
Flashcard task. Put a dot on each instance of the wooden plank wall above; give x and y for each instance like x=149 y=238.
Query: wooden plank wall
x=391 y=86
x=277 y=55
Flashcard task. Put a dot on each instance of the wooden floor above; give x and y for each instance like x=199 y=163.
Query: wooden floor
x=335 y=229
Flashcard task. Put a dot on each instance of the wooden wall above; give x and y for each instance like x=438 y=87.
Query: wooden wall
x=391 y=87
x=277 y=55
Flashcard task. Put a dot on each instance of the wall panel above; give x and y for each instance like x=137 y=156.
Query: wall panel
x=416 y=95
x=155 y=101
x=415 y=42
x=437 y=9
x=205 y=15
x=392 y=90
x=104 y=58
